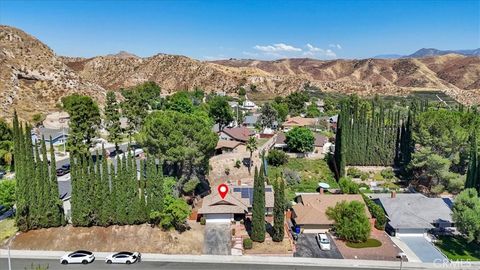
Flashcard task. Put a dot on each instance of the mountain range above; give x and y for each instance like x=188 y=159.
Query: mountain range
x=33 y=78
x=429 y=52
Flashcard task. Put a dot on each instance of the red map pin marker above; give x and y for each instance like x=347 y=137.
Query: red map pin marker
x=222 y=190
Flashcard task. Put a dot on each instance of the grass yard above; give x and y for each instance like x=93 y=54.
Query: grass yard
x=311 y=171
x=370 y=243
x=457 y=248
x=7 y=228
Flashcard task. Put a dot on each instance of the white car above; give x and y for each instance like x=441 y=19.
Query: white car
x=123 y=257
x=323 y=241
x=79 y=256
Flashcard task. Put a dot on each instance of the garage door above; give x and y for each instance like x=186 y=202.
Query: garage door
x=218 y=218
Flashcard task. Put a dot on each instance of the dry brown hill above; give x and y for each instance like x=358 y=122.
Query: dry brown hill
x=33 y=78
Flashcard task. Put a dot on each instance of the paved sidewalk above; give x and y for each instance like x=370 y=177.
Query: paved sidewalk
x=265 y=260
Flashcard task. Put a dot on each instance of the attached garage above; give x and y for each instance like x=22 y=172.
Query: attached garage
x=218 y=218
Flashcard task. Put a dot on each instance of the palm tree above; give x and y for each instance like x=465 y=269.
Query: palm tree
x=251 y=146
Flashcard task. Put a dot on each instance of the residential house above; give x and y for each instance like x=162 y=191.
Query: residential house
x=236 y=205
x=248 y=104
x=250 y=121
x=298 y=121
x=309 y=213
x=227 y=146
x=321 y=143
x=240 y=134
x=54 y=136
x=414 y=213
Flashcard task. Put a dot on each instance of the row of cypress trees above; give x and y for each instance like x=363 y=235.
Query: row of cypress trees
x=37 y=197
x=258 y=207
x=372 y=137
x=473 y=171
x=124 y=194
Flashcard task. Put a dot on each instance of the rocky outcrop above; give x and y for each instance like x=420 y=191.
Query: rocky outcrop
x=32 y=78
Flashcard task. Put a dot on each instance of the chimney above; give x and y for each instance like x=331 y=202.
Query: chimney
x=321 y=191
x=393 y=194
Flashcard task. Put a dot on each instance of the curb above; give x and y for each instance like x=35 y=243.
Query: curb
x=270 y=260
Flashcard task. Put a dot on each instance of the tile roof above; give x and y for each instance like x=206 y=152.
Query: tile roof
x=238 y=133
x=300 y=122
x=227 y=144
x=238 y=201
x=312 y=207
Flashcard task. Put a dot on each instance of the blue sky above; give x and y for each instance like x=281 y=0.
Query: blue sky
x=247 y=29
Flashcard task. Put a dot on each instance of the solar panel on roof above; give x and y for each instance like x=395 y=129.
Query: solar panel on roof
x=268 y=189
x=237 y=189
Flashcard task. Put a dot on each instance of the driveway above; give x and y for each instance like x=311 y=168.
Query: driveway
x=307 y=246
x=424 y=250
x=217 y=240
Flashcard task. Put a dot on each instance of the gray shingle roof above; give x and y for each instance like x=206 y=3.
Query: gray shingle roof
x=415 y=211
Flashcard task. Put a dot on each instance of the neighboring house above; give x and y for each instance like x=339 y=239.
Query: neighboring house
x=58 y=136
x=320 y=143
x=226 y=146
x=248 y=104
x=233 y=104
x=240 y=134
x=310 y=211
x=237 y=205
x=280 y=141
x=333 y=122
x=298 y=121
x=250 y=121
x=414 y=213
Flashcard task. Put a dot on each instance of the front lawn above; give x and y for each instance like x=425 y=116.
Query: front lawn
x=457 y=248
x=311 y=171
x=367 y=244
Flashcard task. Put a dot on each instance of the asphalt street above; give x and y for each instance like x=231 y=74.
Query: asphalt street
x=21 y=264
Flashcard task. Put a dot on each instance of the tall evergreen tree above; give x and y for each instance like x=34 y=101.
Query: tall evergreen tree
x=279 y=211
x=112 y=119
x=55 y=204
x=258 y=207
x=472 y=173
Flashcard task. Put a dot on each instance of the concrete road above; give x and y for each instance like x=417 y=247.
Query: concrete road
x=21 y=264
x=61 y=162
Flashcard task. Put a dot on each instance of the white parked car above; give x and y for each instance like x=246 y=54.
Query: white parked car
x=124 y=257
x=79 y=256
x=323 y=241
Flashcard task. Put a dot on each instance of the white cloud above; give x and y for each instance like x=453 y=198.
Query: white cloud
x=313 y=51
x=279 y=47
x=335 y=46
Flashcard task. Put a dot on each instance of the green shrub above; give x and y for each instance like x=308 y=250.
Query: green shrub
x=364 y=176
x=348 y=186
x=377 y=212
x=7 y=193
x=387 y=173
x=238 y=164
x=203 y=221
x=354 y=172
x=292 y=177
x=247 y=243
x=277 y=157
